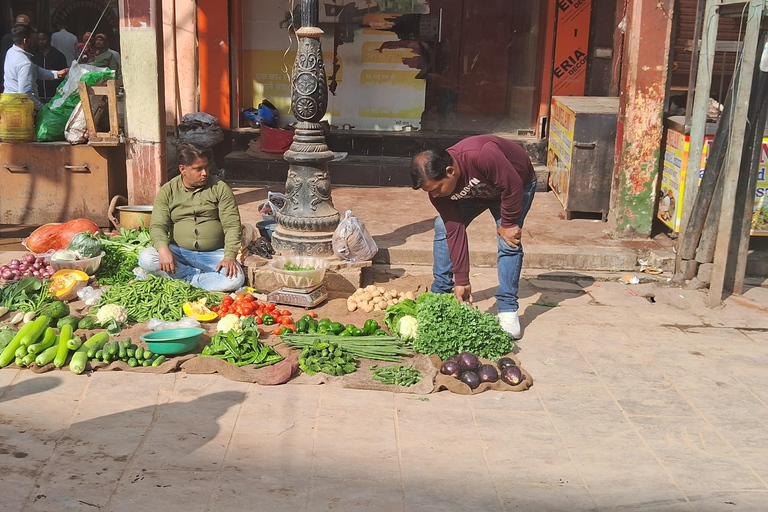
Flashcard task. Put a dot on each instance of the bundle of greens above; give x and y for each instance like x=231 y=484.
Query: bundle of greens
x=155 y=297
x=27 y=294
x=242 y=348
x=121 y=255
x=446 y=327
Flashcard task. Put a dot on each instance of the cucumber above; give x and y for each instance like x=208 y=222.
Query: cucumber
x=36 y=331
x=99 y=355
x=9 y=352
x=114 y=348
x=74 y=343
x=91 y=353
x=61 y=354
x=126 y=343
x=158 y=361
x=49 y=339
x=146 y=362
x=132 y=362
x=46 y=356
x=80 y=358
x=130 y=352
x=28 y=359
x=148 y=354
x=122 y=354
x=139 y=353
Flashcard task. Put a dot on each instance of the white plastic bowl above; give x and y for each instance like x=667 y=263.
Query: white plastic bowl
x=88 y=265
x=300 y=279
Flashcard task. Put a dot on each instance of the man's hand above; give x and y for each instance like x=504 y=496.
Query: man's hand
x=62 y=72
x=167 y=263
x=463 y=293
x=511 y=235
x=230 y=264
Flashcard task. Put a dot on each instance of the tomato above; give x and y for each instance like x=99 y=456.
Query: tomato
x=247 y=309
x=215 y=309
x=224 y=310
x=226 y=301
x=249 y=298
x=312 y=314
x=285 y=312
x=291 y=327
x=277 y=330
x=270 y=307
x=260 y=331
x=284 y=320
x=259 y=321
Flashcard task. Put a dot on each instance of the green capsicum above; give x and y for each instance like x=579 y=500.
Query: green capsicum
x=370 y=326
x=267 y=319
x=302 y=326
x=336 y=328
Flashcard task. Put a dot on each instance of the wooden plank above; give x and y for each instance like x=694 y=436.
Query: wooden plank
x=723 y=250
x=114 y=129
x=86 y=101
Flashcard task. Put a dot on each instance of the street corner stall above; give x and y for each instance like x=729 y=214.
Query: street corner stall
x=77 y=301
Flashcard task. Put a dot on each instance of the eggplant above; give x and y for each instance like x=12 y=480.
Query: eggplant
x=471 y=379
x=512 y=375
x=487 y=373
x=451 y=368
x=468 y=362
x=505 y=362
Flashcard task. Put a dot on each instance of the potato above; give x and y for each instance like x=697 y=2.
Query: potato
x=366 y=297
x=401 y=295
x=351 y=306
x=368 y=308
x=376 y=293
x=370 y=288
x=395 y=301
x=387 y=296
x=393 y=293
x=359 y=291
x=376 y=308
x=381 y=290
x=390 y=302
x=382 y=304
x=410 y=295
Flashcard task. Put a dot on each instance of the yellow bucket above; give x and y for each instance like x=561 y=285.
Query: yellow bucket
x=17 y=118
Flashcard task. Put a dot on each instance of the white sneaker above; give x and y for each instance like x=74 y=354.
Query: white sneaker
x=510 y=322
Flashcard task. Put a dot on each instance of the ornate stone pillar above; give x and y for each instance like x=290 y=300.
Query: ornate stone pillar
x=306 y=223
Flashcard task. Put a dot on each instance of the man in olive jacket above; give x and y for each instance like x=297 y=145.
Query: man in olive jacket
x=195 y=227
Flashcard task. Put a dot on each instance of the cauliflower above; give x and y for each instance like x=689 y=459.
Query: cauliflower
x=229 y=323
x=111 y=312
x=407 y=327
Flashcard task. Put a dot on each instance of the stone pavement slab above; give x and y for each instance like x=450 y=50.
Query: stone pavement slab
x=635 y=406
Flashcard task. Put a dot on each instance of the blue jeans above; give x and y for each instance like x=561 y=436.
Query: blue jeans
x=509 y=260
x=198 y=268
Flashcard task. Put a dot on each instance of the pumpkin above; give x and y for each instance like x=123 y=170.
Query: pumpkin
x=58 y=236
x=66 y=283
x=199 y=310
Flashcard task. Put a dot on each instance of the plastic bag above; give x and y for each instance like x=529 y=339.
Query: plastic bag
x=351 y=241
x=156 y=324
x=275 y=201
x=89 y=295
x=200 y=128
x=76 y=130
x=51 y=121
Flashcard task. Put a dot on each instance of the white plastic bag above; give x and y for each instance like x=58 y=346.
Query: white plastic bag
x=89 y=295
x=76 y=130
x=351 y=241
x=156 y=324
x=275 y=201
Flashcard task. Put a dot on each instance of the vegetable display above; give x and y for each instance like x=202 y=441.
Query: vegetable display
x=85 y=245
x=28 y=266
x=242 y=347
x=328 y=358
x=121 y=255
x=66 y=283
x=125 y=351
x=468 y=368
x=58 y=236
x=447 y=327
x=380 y=348
x=28 y=294
x=154 y=297
x=396 y=375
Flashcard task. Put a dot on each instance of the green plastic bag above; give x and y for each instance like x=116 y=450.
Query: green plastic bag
x=52 y=119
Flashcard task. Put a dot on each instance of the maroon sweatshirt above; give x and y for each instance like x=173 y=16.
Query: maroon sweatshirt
x=491 y=168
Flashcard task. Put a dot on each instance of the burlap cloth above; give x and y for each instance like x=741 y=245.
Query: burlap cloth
x=454 y=385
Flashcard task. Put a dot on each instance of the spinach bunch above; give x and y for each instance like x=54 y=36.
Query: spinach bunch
x=242 y=348
x=447 y=327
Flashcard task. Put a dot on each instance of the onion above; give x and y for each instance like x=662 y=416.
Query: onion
x=36 y=266
x=14 y=266
x=29 y=258
x=15 y=262
x=7 y=275
x=23 y=266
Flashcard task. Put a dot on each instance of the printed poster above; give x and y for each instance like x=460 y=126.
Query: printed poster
x=571 y=47
x=562 y=123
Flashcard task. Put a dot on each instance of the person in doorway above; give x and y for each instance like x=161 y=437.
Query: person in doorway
x=85 y=51
x=7 y=40
x=20 y=74
x=47 y=57
x=195 y=227
x=479 y=173
x=65 y=42
x=103 y=58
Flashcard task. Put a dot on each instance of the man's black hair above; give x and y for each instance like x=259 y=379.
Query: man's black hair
x=429 y=165
x=188 y=152
x=21 y=32
x=47 y=33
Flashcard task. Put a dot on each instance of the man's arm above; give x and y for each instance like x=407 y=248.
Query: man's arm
x=456 y=234
x=161 y=225
x=229 y=215
x=46 y=74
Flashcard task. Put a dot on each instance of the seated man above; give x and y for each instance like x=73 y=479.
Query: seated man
x=195 y=227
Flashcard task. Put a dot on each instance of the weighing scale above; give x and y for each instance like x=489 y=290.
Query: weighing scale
x=305 y=298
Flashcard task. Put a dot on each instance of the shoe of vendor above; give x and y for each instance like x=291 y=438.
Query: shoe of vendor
x=510 y=322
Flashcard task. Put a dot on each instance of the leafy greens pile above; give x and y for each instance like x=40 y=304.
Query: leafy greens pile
x=447 y=327
x=121 y=255
x=27 y=294
x=242 y=348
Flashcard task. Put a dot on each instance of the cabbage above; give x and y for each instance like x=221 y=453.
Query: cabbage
x=85 y=245
x=64 y=255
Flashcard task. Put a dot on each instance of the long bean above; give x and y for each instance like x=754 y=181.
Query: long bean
x=155 y=297
x=380 y=348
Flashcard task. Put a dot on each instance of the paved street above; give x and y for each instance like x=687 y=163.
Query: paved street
x=636 y=406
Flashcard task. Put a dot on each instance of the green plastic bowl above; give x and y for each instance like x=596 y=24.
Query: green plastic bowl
x=173 y=341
